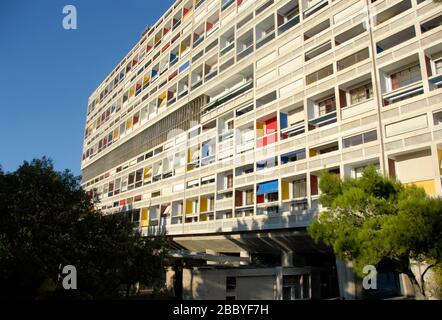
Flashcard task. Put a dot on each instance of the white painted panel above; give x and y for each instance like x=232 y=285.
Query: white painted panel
x=267 y=78
x=289 y=46
x=290 y=89
x=414 y=167
x=290 y=66
x=404 y=126
x=266 y=60
x=349 y=11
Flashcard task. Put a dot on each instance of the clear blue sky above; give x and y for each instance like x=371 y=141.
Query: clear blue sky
x=47 y=73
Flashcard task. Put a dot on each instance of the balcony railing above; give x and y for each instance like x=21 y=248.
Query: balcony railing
x=265 y=40
x=226 y=49
x=226 y=4
x=211 y=75
x=245 y=52
x=324 y=120
x=312 y=10
x=198 y=41
x=288 y=25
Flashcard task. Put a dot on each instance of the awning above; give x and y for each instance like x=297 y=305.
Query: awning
x=267 y=187
x=229 y=95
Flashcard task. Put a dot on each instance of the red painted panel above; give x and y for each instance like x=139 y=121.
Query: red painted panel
x=271 y=125
x=314 y=185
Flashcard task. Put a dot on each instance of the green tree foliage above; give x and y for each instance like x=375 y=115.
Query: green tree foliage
x=378 y=221
x=47 y=221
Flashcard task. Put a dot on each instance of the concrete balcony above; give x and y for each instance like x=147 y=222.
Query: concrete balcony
x=358 y=109
x=298 y=219
x=224 y=204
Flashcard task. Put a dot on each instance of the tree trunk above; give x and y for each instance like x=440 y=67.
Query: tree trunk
x=418 y=290
x=422 y=277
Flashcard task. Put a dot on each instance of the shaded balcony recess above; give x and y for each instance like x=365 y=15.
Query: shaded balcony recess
x=315 y=8
x=353 y=59
x=392 y=12
x=232 y=93
x=436 y=82
x=431 y=24
x=324 y=47
x=288 y=16
x=225 y=4
x=264 y=7
x=324 y=25
x=395 y=39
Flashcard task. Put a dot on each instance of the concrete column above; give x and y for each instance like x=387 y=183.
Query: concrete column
x=244 y=254
x=346 y=280
x=211 y=252
x=287 y=258
x=407 y=289
x=279 y=284
x=170 y=278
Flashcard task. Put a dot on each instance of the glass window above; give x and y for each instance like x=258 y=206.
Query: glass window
x=249 y=197
x=353 y=141
x=230 y=181
x=438 y=66
x=361 y=93
x=300 y=188
x=360 y=139
x=406 y=77
x=131 y=178
x=326 y=106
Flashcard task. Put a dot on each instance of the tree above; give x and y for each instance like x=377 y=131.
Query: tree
x=47 y=221
x=378 y=221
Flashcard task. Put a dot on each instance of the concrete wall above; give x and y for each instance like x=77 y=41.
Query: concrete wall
x=256 y=288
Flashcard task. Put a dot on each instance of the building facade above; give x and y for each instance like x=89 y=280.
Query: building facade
x=216 y=125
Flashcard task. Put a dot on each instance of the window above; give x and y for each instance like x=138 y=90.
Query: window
x=229 y=180
x=405 y=77
x=249 y=197
x=272 y=197
x=438 y=66
x=320 y=74
x=326 y=106
x=361 y=93
x=300 y=188
x=360 y=139
x=437 y=118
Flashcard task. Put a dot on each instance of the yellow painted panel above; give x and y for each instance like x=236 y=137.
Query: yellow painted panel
x=203 y=218
x=285 y=190
x=129 y=124
x=428 y=185
x=259 y=129
x=144 y=217
x=204 y=206
x=146 y=79
x=147 y=173
x=183 y=47
x=189 y=207
x=189 y=155
x=131 y=92
x=116 y=133
x=313 y=153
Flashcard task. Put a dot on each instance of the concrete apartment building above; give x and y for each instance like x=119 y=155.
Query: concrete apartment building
x=216 y=125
